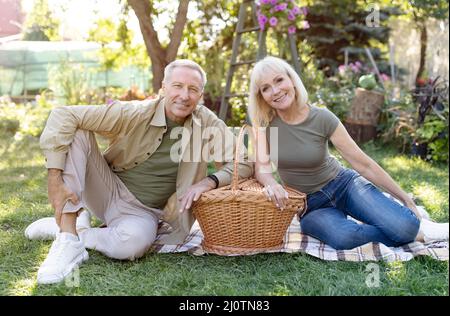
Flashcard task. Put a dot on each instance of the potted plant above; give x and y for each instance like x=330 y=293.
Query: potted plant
x=430 y=140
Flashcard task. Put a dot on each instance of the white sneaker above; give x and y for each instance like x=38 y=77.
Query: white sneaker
x=66 y=253
x=434 y=231
x=47 y=229
x=83 y=221
x=44 y=228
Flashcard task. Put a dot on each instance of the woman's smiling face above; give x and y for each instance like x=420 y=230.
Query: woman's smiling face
x=277 y=89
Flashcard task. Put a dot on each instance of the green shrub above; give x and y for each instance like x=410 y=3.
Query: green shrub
x=434 y=133
x=69 y=82
x=399 y=126
x=20 y=120
x=8 y=127
x=398 y=122
x=337 y=99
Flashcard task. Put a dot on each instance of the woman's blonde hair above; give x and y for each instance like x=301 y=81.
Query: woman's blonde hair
x=259 y=111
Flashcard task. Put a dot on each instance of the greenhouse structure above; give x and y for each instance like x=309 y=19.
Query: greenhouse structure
x=28 y=67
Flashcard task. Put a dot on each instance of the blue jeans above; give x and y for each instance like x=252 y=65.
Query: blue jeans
x=383 y=220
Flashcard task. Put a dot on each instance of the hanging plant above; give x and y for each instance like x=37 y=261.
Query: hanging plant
x=282 y=15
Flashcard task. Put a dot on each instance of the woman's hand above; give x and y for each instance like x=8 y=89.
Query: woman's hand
x=277 y=194
x=194 y=192
x=409 y=203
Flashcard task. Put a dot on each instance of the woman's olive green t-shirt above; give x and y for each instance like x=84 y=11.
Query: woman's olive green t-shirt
x=304 y=162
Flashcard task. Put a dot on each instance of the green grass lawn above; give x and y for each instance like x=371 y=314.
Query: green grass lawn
x=23 y=199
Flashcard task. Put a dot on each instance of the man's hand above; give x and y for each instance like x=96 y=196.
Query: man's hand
x=194 y=192
x=58 y=193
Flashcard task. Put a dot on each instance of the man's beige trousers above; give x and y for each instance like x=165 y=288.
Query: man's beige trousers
x=131 y=226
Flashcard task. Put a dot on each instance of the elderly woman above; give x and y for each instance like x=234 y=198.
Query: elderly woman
x=278 y=99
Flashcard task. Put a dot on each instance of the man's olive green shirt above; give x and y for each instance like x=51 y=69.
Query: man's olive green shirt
x=135 y=131
x=154 y=181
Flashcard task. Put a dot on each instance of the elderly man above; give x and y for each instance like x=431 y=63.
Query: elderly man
x=152 y=171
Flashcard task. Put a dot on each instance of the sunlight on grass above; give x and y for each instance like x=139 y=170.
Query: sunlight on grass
x=280 y=290
x=24 y=199
x=432 y=198
x=428 y=193
x=399 y=164
x=25 y=153
x=13 y=178
x=23 y=287
x=396 y=271
x=10 y=206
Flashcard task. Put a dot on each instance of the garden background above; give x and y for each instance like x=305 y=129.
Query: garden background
x=408 y=41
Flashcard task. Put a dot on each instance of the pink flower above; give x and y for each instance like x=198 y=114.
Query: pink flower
x=358 y=64
x=292 y=29
x=353 y=67
x=385 y=77
x=295 y=10
x=268 y=16
x=342 y=70
x=282 y=6
x=304 y=10
x=262 y=20
x=273 y=21
x=291 y=16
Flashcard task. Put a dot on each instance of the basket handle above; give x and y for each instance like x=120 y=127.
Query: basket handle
x=234 y=181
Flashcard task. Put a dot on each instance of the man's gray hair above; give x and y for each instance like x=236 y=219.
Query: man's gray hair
x=184 y=63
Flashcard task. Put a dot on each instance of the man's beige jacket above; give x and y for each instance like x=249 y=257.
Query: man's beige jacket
x=134 y=131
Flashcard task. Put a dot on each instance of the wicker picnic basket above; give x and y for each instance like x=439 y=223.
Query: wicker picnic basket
x=238 y=219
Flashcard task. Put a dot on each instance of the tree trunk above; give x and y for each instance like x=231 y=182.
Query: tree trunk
x=159 y=56
x=158 y=74
x=423 y=49
x=362 y=120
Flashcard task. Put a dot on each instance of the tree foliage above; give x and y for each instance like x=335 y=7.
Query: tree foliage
x=339 y=25
x=335 y=26
x=208 y=40
x=40 y=24
x=117 y=49
x=160 y=53
x=420 y=11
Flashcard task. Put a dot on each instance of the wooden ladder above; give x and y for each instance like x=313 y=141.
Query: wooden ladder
x=261 y=53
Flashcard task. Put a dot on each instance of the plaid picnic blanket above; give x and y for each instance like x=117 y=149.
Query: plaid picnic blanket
x=295 y=241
